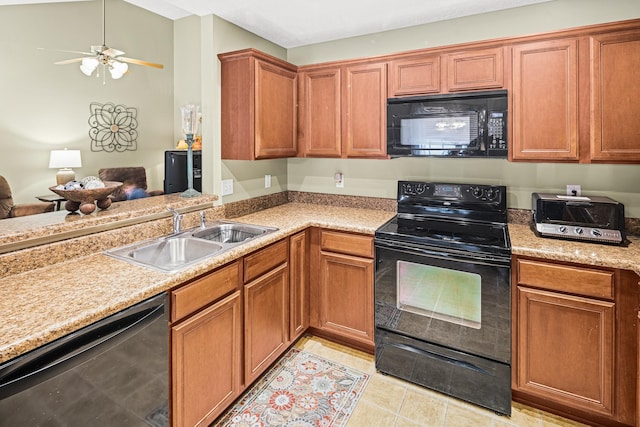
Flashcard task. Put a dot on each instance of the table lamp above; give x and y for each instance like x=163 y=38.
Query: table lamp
x=65 y=160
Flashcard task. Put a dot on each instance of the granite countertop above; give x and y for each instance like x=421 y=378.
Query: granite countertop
x=41 y=305
x=525 y=242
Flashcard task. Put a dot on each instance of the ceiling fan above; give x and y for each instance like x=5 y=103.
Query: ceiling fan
x=106 y=56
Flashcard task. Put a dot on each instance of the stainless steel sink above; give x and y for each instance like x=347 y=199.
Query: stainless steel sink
x=232 y=232
x=175 y=252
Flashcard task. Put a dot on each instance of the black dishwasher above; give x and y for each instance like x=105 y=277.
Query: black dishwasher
x=114 y=372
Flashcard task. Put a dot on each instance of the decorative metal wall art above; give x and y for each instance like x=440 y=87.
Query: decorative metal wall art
x=113 y=127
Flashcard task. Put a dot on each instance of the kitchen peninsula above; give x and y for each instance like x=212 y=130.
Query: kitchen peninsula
x=56 y=298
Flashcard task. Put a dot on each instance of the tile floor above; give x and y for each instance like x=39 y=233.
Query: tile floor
x=391 y=402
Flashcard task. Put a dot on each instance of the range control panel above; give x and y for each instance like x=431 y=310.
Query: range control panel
x=430 y=191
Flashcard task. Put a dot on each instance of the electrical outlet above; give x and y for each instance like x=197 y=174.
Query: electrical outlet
x=227 y=187
x=339 y=179
x=267 y=181
x=573 y=190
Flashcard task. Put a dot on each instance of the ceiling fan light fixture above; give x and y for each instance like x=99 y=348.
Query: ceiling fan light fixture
x=88 y=66
x=117 y=69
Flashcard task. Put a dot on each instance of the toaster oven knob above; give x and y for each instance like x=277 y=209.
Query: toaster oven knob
x=562 y=229
x=579 y=231
x=596 y=232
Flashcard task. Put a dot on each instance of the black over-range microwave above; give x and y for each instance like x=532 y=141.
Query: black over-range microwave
x=455 y=125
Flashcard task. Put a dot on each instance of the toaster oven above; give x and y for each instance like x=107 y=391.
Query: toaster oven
x=586 y=218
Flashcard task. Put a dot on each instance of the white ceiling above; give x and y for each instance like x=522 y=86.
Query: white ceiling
x=292 y=23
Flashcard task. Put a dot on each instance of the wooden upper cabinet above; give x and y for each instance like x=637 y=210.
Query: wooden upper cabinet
x=343 y=111
x=364 y=105
x=319 y=131
x=615 y=90
x=258 y=117
x=475 y=70
x=544 y=101
x=414 y=76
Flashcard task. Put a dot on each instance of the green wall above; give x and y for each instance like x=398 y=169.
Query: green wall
x=379 y=177
x=45 y=106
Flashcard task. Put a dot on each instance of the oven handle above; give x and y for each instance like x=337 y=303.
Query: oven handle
x=448 y=255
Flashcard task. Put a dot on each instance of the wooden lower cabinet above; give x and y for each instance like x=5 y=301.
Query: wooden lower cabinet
x=555 y=331
x=266 y=321
x=342 y=287
x=298 y=284
x=572 y=354
x=207 y=362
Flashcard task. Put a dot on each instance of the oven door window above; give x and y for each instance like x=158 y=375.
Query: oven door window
x=458 y=302
x=448 y=295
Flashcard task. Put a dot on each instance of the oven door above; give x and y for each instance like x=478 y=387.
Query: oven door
x=457 y=300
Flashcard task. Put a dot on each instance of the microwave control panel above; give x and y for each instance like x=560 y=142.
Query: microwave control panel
x=497 y=128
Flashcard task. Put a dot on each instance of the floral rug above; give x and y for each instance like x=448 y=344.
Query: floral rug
x=300 y=390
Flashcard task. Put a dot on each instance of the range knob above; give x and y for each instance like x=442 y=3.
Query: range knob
x=477 y=192
x=579 y=231
x=596 y=232
x=562 y=229
x=491 y=194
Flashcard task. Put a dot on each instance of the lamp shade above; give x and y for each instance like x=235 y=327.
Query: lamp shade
x=65 y=159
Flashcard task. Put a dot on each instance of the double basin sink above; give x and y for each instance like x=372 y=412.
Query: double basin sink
x=180 y=250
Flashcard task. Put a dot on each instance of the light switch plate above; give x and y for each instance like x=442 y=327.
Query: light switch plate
x=227 y=187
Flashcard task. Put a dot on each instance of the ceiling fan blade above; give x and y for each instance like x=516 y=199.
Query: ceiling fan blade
x=112 y=52
x=68 y=51
x=69 y=61
x=140 y=62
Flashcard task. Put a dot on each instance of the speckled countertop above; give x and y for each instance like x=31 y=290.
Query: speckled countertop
x=525 y=242
x=46 y=303
x=41 y=305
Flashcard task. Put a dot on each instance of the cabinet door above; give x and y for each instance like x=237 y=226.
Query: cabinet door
x=298 y=285
x=319 y=133
x=544 y=100
x=275 y=111
x=565 y=349
x=266 y=317
x=206 y=363
x=346 y=296
x=615 y=89
x=415 y=76
x=364 y=110
x=474 y=70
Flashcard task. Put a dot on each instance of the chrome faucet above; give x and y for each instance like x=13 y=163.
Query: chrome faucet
x=177 y=220
x=203 y=220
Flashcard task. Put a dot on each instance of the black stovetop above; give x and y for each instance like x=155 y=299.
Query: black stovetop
x=462 y=217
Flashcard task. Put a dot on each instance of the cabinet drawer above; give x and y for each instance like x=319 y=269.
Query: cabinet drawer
x=345 y=243
x=265 y=259
x=200 y=292
x=564 y=278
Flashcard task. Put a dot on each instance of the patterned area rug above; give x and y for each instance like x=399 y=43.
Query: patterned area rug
x=300 y=390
